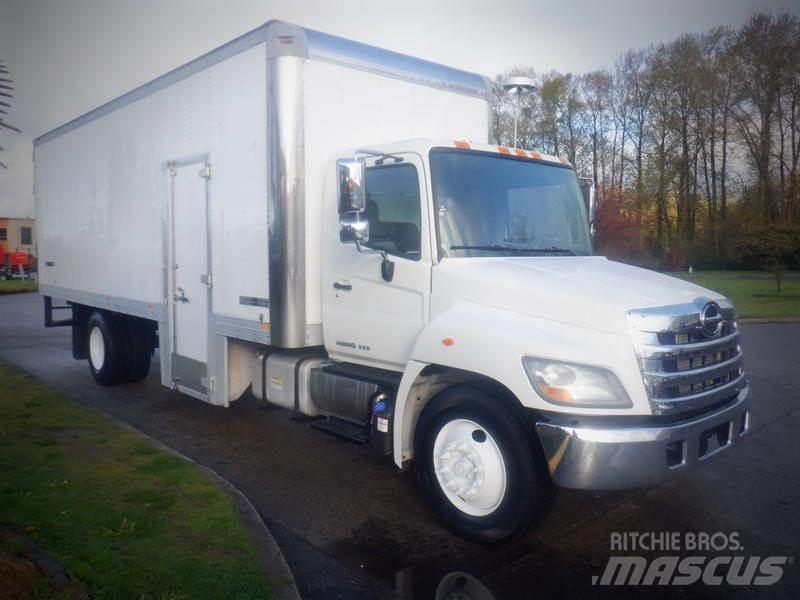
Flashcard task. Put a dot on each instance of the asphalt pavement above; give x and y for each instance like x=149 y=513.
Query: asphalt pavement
x=351 y=526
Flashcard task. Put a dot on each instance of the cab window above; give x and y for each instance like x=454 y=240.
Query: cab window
x=393 y=210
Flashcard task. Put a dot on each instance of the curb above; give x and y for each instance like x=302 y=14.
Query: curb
x=763 y=320
x=57 y=577
x=268 y=553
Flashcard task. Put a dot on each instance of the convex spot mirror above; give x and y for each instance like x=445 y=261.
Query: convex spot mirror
x=352 y=229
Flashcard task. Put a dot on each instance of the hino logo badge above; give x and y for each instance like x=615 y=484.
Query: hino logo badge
x=711 y=319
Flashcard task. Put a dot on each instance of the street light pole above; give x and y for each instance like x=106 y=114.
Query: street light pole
x=519 y=85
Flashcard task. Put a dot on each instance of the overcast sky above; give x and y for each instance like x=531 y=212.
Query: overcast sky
x=69 y=56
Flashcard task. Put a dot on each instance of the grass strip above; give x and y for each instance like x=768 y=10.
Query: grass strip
x=124 y=518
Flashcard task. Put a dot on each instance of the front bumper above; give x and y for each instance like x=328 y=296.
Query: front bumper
x=611 y=458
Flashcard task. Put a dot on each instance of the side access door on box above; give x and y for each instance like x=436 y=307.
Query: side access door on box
x=188 y=277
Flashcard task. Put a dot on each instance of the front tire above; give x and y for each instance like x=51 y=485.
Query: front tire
x=477 y=465
x=108 y=349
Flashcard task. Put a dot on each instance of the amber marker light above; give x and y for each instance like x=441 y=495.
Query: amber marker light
x=558 y=394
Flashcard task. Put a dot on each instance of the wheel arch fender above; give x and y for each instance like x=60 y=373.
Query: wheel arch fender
x=455 y=348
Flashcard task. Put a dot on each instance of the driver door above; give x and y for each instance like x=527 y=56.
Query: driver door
x=365 y=318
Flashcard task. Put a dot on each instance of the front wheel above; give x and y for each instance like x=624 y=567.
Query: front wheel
x=477 y=465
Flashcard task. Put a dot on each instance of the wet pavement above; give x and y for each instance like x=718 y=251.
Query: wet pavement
x=350 y=526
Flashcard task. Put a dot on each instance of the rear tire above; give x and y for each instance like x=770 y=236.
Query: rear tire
x=476 y=462
x=141 y=350
x=108 y=343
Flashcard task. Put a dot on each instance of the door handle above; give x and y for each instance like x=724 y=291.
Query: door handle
x=342 y=285
x=181 y=296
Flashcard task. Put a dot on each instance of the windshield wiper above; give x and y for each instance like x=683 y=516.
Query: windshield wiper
x=498 y=248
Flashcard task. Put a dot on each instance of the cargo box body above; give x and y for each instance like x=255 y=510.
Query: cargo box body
x=222 y=165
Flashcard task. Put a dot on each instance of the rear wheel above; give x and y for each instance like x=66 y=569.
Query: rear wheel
x=108 y=349
x=477 y=465
x=140 y=338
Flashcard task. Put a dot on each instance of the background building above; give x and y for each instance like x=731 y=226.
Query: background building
x=18 y=235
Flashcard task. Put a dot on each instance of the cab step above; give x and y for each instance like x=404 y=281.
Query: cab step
x=344 y=429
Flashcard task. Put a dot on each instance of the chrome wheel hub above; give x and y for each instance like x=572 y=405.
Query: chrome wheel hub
x=97 y=349
x=469 y=467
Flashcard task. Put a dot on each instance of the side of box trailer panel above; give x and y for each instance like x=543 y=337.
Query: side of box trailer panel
x=100 y=188
x=258 y=118
x=104 y=190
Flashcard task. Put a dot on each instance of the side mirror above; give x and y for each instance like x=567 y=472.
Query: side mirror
x=587 y=187
x=352 y=192
x=352 y=230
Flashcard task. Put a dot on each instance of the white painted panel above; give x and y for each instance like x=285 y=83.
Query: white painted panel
x=347 y=108
x=190 y=263
x=100 y=188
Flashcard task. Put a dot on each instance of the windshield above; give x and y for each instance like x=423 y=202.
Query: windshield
x=490 y=205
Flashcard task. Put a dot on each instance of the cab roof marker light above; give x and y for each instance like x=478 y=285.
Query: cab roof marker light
x=508 y=151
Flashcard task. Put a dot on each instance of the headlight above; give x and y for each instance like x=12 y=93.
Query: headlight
x=570 y=384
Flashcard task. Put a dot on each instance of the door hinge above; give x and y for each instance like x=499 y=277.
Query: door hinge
x=209 y=383
x=207 y=279
x=205 y=171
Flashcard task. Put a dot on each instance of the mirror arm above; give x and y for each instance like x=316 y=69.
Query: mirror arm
x=387 y=266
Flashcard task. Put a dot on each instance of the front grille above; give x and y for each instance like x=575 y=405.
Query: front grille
x=685 y=366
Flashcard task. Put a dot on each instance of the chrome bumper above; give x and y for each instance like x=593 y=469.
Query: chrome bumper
x=629 y=457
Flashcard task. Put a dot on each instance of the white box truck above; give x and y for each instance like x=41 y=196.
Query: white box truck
x=325 y=223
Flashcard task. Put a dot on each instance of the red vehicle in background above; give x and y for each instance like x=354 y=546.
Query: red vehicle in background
x=14 y=264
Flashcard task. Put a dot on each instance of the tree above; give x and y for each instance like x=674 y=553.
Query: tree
x=694 y=140
x=596 y=90
x=765 y=50
x=636 y=76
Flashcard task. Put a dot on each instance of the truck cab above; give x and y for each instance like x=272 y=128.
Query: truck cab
x=468 y=269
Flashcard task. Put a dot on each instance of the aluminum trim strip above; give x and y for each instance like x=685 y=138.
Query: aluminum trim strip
x=337 y=50
x=286 y=201
x=252 y=331
x=137 y=308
